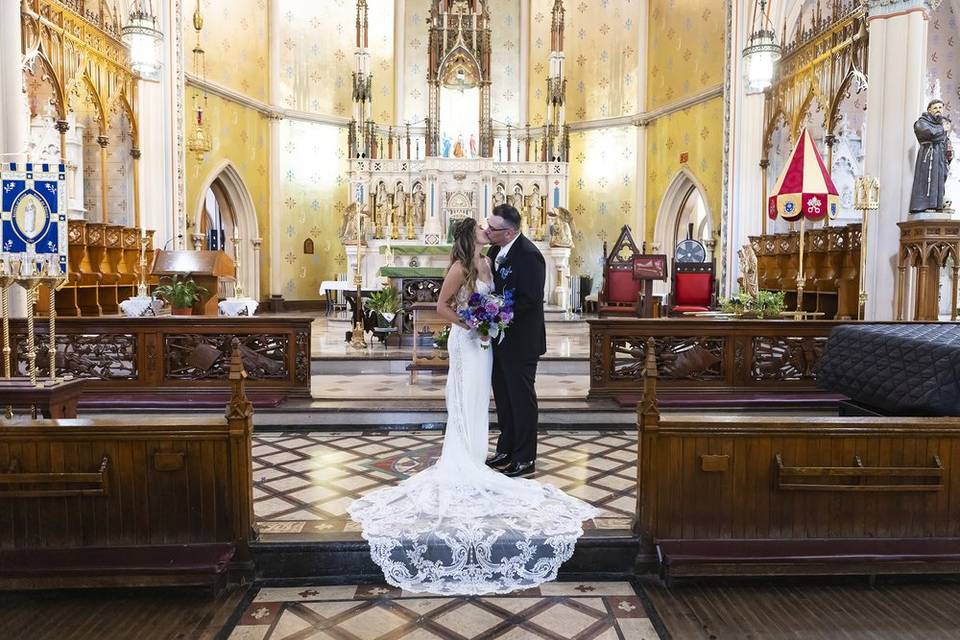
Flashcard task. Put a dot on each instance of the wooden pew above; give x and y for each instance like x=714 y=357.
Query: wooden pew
x=732 y=495
x=88 y=278
x=124 y=502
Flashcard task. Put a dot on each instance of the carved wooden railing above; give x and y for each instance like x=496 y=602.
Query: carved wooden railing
x=706 y=355
x=175 y=354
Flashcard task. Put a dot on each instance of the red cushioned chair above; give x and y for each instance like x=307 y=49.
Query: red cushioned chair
x=693 y=287
x=620 y=292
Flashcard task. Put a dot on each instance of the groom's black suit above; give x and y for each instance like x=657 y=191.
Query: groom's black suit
x=515 y=359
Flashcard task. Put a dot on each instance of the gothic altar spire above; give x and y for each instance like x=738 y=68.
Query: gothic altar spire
x=361 y=138
x=556 y=26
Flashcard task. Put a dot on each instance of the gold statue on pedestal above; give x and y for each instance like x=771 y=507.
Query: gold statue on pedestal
x=381 y=212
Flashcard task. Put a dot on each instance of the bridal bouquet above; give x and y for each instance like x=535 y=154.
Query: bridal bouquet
x=490 y=315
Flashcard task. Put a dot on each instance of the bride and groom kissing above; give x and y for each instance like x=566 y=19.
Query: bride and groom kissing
x=472 y=524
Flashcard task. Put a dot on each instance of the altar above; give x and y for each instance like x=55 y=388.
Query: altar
x=410 y=185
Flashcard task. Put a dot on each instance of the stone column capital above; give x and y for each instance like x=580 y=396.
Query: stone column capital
x=103 y=141
x=878 y=9
x=62 y=126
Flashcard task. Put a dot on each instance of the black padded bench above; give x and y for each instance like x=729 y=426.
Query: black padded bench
x=149 y=566
x=867 y=557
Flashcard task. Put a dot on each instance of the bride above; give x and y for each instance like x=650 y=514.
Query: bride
x=460 y=527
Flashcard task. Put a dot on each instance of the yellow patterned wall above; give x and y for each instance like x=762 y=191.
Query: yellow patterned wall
x=603 y=173
x=235 y=39
x=686 y=57
x=317 y=41
x=686 y=49
x=240 y=136
x=601 y=58
x=697 y=132
x=313 y=192
x=415 y=55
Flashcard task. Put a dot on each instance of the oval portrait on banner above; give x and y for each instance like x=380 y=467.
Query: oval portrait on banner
x=30 y=216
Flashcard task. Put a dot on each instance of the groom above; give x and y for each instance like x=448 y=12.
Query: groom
x=517 y=265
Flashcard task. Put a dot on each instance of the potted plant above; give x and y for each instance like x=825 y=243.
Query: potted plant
x=180 y=292
x=766 y=304
x=385 y=304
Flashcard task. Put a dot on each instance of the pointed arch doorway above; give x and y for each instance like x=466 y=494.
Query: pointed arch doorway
x=224 y=207
x=684 y=213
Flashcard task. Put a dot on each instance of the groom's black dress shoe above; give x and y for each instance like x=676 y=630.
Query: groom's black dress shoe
x=520 y=469
x=499 y=460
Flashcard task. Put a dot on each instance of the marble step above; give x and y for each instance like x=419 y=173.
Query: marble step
x=598 y=555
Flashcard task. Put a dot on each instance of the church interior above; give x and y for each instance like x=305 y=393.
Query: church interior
x=224 y=229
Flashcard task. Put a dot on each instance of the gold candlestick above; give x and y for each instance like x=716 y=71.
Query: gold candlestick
x=142 y=283
x=238 y=286
x=6 y=281
x=866 y=197
x=54 y=280
x=357 y=341
x=411 y=228
x=29 y=281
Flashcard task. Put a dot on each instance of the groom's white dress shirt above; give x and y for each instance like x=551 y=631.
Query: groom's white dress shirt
x=505 y=250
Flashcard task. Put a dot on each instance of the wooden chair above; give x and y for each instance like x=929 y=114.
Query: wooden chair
x=694 y=287
x=620 y=291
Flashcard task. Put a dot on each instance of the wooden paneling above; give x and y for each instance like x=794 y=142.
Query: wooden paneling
x=170 y=354
x=697 y=354
x=129 y=482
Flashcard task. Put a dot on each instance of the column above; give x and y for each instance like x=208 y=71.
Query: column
x=135 y=154
x=276 y=205
x=157 y=151
x=524 y=114
x=640 y=193
x=104 y=209
x=14 y=117
x=897 y=72
x=399 y=62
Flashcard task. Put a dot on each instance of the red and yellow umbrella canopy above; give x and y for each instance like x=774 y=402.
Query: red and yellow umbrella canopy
x=805 y=188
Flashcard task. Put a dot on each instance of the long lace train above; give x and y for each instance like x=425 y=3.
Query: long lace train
x=459 y=527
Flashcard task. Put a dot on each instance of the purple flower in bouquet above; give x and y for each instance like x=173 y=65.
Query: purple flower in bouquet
x=489 y=315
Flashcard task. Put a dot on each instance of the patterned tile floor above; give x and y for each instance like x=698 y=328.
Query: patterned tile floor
x=555 y=611
x=303 y=482
x=396 y=386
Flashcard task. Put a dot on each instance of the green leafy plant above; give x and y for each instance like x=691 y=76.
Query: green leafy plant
x=386 y=304
x=766 y=304
x=441 y=337
x=180 y=291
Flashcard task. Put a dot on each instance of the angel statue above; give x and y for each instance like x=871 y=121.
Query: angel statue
x=749 y=282
x=348 y=224
x=561 y=229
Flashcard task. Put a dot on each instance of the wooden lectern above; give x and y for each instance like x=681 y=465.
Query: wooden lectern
x=207 y=268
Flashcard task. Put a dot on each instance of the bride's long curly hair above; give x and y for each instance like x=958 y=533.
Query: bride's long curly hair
x=464 y=247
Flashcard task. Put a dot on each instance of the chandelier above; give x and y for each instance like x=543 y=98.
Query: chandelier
x=762 y=52
x=199 y=141
x=143 y=38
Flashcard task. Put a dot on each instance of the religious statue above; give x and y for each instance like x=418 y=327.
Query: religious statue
x=749 y=282
x=419 y=204
x=516 y=200
x=399 y=211
x=473 y=146
x=348 y=224
x=499 y=196
x=458 y=148
x=535 y=208
x=933 y=159
x=447 y=144
x=381 y=211
x=561 y=229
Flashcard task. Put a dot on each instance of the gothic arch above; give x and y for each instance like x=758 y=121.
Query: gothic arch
x=92 y=95
x=49 y=76
x=683 y=184
x=245 y=219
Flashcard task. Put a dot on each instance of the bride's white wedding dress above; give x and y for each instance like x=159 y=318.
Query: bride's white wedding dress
x=460 y=527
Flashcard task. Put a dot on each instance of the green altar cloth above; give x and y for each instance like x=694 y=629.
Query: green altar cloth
x=412 y=272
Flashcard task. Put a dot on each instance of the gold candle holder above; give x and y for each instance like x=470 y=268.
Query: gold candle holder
x=357 y=341
x=237 y=286
x=866 y=198
x=142 y=282
x=30 y=280
x=54 y=280
x=7 y=279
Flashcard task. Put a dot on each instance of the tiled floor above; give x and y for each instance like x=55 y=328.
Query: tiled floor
x=556 y=610
x=396 y=386
x=303 y=482
x=569 y=339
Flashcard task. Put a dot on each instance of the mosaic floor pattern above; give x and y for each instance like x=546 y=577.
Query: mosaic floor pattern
x=555 y=611
x=303 y=482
